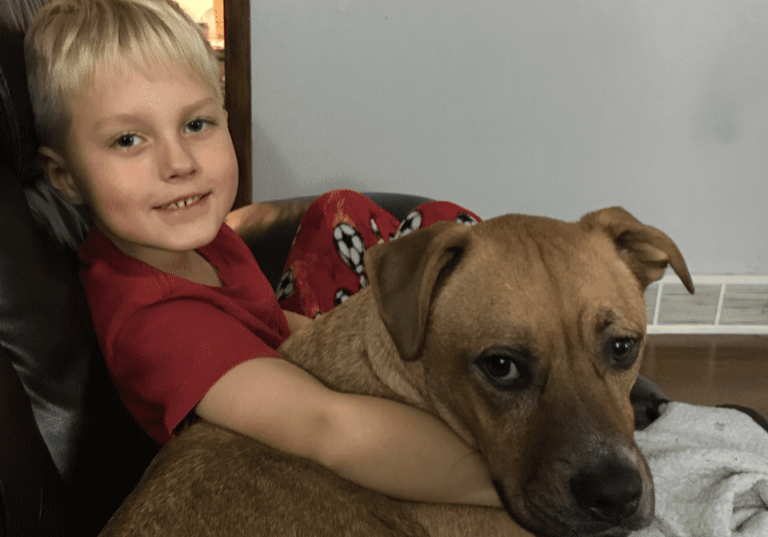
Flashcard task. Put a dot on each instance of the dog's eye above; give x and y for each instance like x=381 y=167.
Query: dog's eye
x=622 y=352
x=500 y=370
x=501 y=367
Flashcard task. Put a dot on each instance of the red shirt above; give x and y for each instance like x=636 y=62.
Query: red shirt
x=167 y=340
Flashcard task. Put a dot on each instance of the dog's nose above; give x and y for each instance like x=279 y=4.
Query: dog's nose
x=610 y=490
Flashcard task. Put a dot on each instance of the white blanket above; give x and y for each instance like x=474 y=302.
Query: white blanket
x=710 y=469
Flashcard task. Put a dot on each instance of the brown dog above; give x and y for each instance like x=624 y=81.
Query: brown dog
x=523 y=334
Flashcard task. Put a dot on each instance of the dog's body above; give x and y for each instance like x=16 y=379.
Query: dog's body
x=523 y=334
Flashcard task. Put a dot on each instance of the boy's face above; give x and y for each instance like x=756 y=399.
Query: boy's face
x=138 y=146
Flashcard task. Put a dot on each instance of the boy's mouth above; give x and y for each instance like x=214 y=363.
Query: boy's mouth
x=182 y=203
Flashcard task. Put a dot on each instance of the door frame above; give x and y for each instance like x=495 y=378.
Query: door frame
x=237 y=73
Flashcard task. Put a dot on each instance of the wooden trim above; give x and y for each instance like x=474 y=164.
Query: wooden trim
x=237 y=72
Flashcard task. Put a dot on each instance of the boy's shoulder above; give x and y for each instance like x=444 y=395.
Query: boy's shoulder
x=117 y=285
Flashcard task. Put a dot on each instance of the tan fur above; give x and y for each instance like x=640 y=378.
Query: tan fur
x=549 y=294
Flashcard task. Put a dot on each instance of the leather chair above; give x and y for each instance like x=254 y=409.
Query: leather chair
x=69 y=452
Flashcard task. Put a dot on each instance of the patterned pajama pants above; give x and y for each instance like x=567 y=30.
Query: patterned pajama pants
x=325 y=264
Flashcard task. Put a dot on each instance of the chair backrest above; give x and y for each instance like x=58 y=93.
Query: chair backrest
x=60 y=420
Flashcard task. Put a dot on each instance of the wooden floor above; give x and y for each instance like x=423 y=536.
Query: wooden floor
x=710 y=370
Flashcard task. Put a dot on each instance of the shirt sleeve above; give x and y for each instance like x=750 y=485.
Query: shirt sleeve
x=167 y=356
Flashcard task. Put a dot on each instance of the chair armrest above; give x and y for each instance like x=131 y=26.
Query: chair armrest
x=32 y=500
x=268 y=228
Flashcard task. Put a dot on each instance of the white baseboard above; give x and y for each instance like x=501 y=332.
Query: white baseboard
x=722 y=305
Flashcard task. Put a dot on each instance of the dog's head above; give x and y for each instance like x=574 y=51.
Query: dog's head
x=530 y=333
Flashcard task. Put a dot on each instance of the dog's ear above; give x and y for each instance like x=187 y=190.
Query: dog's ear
x=403 y=273
x=645 y=249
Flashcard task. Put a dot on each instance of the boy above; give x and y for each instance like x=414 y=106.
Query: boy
x=129 y=111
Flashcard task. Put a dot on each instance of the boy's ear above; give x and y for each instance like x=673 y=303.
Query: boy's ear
x=56 y=168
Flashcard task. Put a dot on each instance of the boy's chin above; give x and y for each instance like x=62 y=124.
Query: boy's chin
x=189 y=241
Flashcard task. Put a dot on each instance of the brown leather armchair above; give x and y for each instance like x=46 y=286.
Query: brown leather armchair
x=69 y=452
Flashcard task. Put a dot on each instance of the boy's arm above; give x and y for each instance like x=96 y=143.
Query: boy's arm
x=296 y=320
x=382 y=445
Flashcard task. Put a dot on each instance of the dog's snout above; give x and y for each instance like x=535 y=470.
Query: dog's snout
x=610 y=490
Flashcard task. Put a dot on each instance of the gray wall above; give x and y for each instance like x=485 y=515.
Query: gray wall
x=551 y=108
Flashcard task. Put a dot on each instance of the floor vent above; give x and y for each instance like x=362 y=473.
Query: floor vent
x=721 y=305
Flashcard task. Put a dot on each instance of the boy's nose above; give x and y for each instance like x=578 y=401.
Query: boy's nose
x=180 y=163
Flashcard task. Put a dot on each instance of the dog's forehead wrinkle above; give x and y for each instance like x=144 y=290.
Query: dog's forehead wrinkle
x=598 y=368
x=531 y=236
x=610 y=321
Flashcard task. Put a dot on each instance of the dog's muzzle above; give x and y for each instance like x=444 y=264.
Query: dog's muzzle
x=610 y=497
x=609 y=490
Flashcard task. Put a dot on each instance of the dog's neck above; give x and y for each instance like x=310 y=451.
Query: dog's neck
x=350 y=350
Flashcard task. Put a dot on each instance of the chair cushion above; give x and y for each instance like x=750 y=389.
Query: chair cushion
x=45 y=329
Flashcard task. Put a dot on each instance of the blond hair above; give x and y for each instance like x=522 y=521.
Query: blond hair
x=69 y=39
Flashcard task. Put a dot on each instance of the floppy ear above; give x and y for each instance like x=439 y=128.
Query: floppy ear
x=645 y=249
x=403 y=273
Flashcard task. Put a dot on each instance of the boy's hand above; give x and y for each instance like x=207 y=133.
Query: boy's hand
x=296 y=321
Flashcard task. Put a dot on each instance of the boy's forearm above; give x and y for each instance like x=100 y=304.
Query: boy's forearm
x=423 y=460
x=389 y=447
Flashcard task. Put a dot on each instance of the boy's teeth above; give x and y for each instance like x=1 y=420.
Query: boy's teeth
x=182 y=203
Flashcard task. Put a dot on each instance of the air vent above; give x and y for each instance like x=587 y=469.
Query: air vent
x=721 y=305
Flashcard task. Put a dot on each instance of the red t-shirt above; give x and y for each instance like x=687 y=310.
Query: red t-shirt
x=167 y=340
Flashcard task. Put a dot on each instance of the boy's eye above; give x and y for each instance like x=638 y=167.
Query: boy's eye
x=127 y=140
x=197 y=125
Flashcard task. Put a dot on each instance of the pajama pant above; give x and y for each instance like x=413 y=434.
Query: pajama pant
x=325 y=264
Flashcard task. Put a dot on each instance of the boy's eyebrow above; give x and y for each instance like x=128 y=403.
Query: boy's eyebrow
x=130 y=117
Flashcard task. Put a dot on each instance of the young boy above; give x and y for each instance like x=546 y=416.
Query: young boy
x=128 y=107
